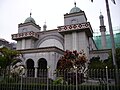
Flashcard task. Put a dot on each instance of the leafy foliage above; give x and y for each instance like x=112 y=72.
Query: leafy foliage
x=72 y=63
x=117 y=57
x=7 y=57
x=10 y=62
x=96 y=63
x=72 y=59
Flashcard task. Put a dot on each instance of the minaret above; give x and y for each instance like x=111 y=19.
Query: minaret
x=102 y=30
x=27 y=34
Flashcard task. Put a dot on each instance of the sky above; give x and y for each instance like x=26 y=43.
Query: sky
x=14 y=12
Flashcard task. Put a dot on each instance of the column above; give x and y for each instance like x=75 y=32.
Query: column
x=35 y=72
x=23 y=44
x=74 y=41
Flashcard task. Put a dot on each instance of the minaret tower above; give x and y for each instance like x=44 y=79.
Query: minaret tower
x=102 y=30
x=77 y=32
x=27 y=34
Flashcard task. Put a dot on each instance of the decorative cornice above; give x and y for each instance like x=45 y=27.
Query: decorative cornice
x=77 y=27
x=25 y=35
x=43 y=49
x=102 y=29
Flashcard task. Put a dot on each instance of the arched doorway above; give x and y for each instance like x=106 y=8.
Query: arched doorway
x=30 y=68
x=42 y=68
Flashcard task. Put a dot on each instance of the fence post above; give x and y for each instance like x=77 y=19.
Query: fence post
x=107 y=77
x=21 y=75
x=47 y=77
x=76 y=77
x=21 y=82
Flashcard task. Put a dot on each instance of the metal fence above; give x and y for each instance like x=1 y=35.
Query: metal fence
x=93 y=79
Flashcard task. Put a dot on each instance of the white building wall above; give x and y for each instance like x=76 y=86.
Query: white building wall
x=51 y=42
x=19 y=45
x=74 y=20
x=68 y=41
x=51 y=58
x=28 y=43
x=74 y=41
x=28 y=29
x=83 y=43
x=92 y=45
x=25 y=44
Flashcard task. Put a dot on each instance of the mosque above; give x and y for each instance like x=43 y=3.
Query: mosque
x=43 y=48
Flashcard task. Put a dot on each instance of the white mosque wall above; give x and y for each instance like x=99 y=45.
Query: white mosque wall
x=83 y=43
x=68 y=41
x=74 y=20
x=19 y=45
x=29 y=43
x=77 y=41
x=28 y=28
x=51 y=42
x=25 y=44
x=51 y=58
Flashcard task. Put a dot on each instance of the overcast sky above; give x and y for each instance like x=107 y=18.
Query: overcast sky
x=14 y=12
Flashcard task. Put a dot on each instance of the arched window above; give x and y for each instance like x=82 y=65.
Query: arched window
x=30 y=68
x=42 y=67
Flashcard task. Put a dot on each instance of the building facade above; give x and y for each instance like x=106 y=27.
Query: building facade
x=43 y=48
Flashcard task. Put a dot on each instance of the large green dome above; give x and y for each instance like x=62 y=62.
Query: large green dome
x=75 y=9
x=29 y=19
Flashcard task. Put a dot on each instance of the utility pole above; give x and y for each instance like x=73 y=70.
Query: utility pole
x=112 y=40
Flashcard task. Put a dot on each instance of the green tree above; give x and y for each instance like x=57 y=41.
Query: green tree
x=117 y=57
x=96 y=63
x=8 y=58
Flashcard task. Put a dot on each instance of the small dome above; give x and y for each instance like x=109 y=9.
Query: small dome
x=29 y=19
x=1 y=39
x=75 y=9
x=101 y=16
x=44 y=27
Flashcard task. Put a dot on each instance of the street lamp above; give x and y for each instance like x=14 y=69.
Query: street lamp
x=107 y=77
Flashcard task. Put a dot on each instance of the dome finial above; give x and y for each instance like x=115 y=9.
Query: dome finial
x=30 y=14
x=100 y=12
x=75 y=9
x=29 y=19
x=75 y=4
